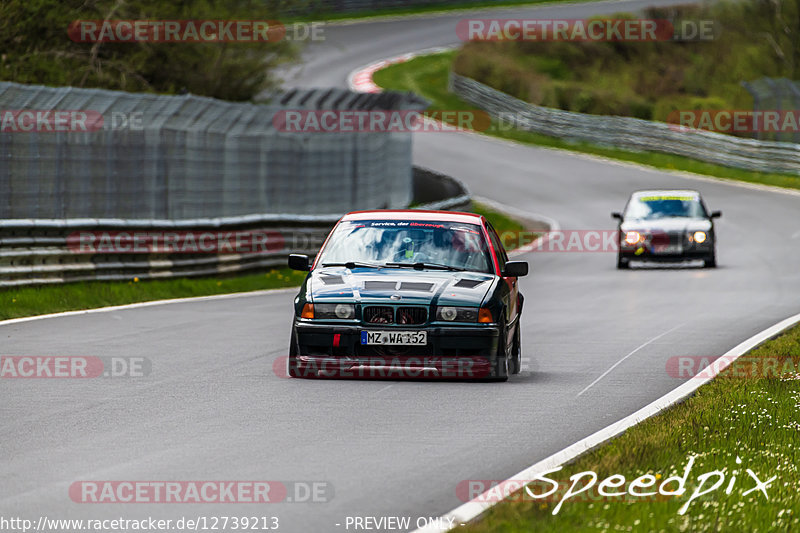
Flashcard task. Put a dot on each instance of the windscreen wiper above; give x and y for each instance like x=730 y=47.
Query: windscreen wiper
x=353 y=264
x=420 y=266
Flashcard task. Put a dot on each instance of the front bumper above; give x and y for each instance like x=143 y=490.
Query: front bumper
x=673 y=247
x=649 y=255
x=458 y=352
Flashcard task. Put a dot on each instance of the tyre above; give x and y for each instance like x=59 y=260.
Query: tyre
x=291 y=362
x=516 y=350
x=622 y=263
x=711 y=260
x=500 y=370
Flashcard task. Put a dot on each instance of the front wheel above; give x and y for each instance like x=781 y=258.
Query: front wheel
x=622 y=263
x=291 y=362
x=500 y=369
x=516 y=350
x=711 y=260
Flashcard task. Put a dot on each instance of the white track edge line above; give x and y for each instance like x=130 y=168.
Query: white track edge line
x=472 y=509
x=152 y=303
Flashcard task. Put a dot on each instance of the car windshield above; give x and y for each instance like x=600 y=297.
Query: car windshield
x=664 y=206
x=380 y=242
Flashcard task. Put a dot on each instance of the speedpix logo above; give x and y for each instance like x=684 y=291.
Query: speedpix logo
x=544 y=488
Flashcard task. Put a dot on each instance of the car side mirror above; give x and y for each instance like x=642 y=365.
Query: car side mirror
x=515 y=269
x=617 y=215
x=299 y=262
x=716 y=214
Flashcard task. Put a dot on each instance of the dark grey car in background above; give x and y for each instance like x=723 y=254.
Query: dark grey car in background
x=666 y=226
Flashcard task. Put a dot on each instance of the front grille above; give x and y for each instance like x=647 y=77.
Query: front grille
x=412 y=315
x=379 y=314
x=665 y=238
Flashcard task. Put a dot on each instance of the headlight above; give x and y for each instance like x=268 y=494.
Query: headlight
x=632 y=237
x=328 y=311
x=457 y=314
x=700 y=237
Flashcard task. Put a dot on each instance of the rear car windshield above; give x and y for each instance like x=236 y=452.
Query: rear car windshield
x=394 y=241
x=664 y=206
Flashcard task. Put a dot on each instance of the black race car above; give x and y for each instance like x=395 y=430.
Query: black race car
x=667 y=226
x=410 y=293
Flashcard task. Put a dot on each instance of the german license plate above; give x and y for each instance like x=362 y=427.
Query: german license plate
x=394 y=338
x=667 y=249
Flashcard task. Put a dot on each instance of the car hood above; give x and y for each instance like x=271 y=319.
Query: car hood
x=667 y=225
x=399 y=286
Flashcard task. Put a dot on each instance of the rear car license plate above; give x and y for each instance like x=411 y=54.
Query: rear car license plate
x=395 y=338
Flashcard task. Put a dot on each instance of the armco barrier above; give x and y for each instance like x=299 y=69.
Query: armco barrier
x=630 y=133
x=37 y=252
x=147 y=156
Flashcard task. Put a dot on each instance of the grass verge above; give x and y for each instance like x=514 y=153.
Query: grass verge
x=45 y=299
x=428 y=75
x=749 y=412
x=502 y=223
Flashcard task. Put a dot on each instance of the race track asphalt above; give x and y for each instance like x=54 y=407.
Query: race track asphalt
x=213 y=409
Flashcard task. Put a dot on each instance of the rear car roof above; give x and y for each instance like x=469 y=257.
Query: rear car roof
x=415 y=214
x=665 y=192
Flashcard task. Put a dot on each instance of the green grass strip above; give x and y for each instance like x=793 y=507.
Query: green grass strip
x=751 y=411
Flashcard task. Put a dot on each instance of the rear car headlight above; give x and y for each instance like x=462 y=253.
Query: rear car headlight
x=457 y=314
x=700 y=237
x=329 y=311
x=632 y=237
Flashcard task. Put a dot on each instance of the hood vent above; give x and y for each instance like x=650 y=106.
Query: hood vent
x=380 y=285
x=332 y=280
x=468 y=283
x=416 y=286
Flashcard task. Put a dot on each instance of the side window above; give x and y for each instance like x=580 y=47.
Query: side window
x=502 y=258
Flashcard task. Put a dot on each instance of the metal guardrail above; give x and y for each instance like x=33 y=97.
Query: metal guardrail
x=148 y=156
x=43 y=251
x=630 y=133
